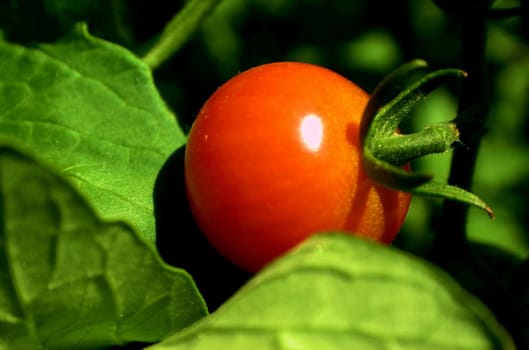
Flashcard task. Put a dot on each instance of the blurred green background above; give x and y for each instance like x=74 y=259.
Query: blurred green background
x=363 y=40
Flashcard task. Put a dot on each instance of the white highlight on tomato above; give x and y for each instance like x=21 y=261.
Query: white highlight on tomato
x=311 y=129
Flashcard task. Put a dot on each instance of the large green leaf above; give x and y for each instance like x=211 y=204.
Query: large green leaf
x=71 y=281
x=342 y=292
x=90 y=108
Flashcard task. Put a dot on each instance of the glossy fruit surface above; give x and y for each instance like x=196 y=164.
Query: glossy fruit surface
x=274 y=156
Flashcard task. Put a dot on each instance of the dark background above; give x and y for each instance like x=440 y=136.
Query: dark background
x=362 y=40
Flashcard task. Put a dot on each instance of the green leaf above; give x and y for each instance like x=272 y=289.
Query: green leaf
x=441 y=190
x=71 y=281
x=342 y=292
x=91 y=109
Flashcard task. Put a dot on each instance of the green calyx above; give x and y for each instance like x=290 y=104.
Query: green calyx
x=385 y=150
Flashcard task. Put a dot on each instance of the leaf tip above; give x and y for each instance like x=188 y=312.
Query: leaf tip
x=490 y=212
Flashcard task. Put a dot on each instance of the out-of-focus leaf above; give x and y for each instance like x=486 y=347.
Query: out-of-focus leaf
x=71 y=281
x=375 y=51
x=342 y=292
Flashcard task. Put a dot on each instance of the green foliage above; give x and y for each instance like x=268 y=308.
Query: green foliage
x=69 y=280
x=341 y=292
x=90 y=108
x=376 y=51
x=77 y=263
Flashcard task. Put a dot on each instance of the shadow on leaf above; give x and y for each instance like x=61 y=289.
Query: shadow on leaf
x=180 y=241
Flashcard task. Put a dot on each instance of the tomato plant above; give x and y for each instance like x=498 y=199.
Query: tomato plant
x=274 y=156
x=99 y=248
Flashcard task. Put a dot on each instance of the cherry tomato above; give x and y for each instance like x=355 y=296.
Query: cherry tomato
x=274 y=156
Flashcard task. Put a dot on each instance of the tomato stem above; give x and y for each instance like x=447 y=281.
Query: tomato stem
x=178 y=31
x=400 y=149
x=385 y=150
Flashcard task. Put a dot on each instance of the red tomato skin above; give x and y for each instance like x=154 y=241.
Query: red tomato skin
x=257 y=187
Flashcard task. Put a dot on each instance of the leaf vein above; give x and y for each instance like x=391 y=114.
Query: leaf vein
x=81 y=74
